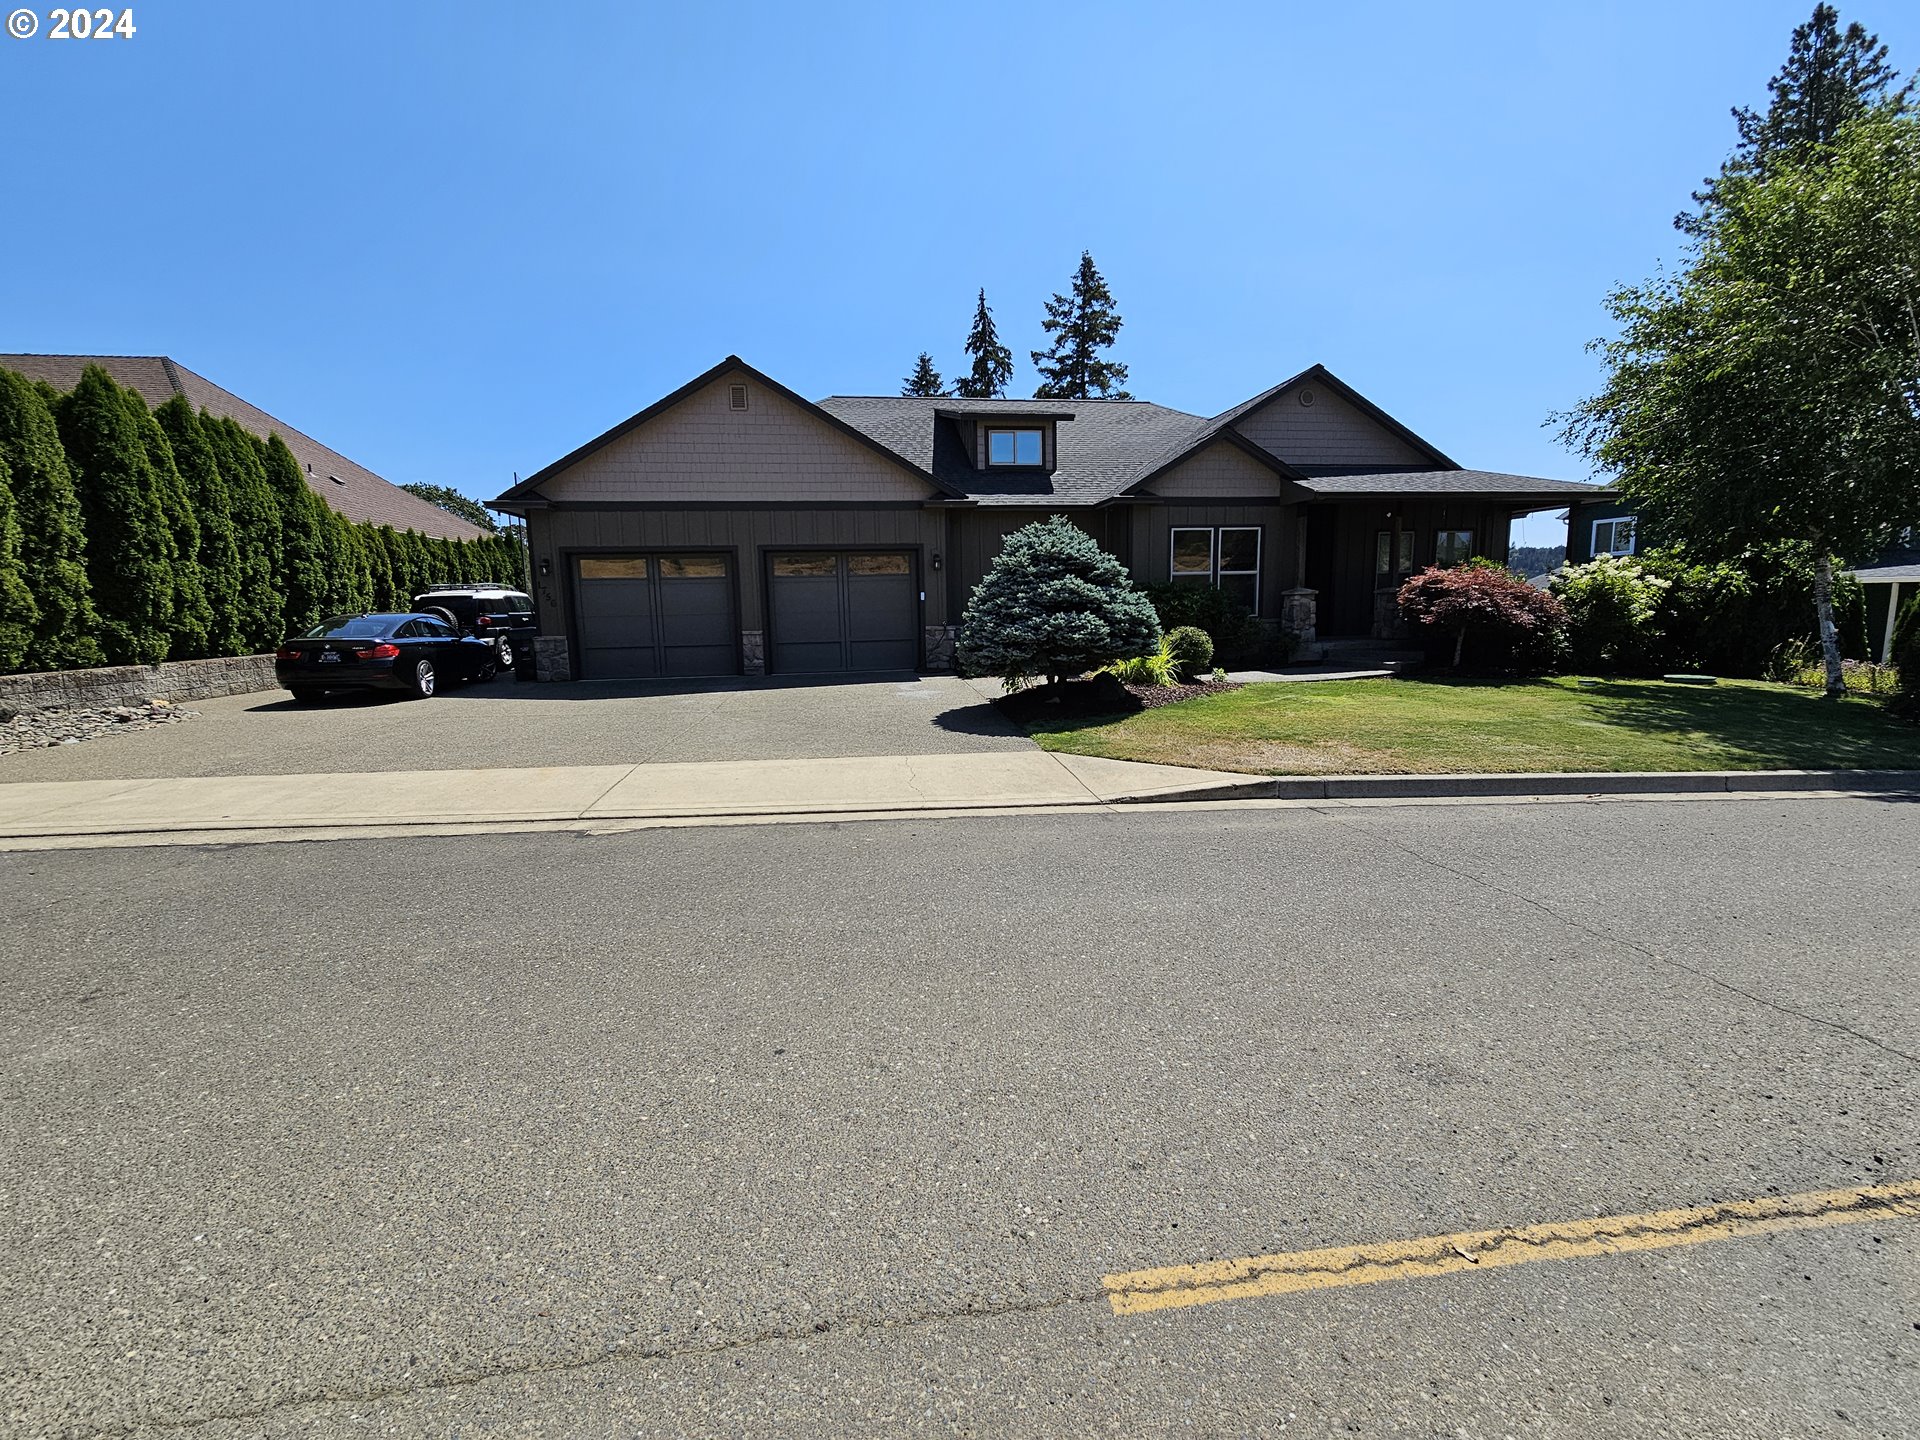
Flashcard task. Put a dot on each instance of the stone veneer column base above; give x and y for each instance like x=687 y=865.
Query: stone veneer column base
x=1300 y=613
x=550 y=658
x=753 y=652
x=939 y=643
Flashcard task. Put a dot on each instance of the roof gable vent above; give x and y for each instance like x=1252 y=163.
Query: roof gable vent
x=1306 y=397
x=736 y=397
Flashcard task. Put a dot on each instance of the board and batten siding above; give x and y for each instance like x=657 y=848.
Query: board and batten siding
x=702 y=451
x=1341 y=539
x=975 y=536
x=1330 y=431
x=1279 y=545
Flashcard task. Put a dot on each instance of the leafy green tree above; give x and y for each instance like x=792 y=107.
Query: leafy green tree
x=1054 y=603
x=1831 y=77
x=255 y=514
x=925 y=380
x=53 y=550
x=303 y=538
x=218 y=559
x=1771 y=392
x=454 y=503
x=18 y=613
x=1082 y=323
x=992 y=365
x=129 y=545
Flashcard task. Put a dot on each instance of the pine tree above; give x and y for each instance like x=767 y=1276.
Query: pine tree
x=1082 y=324
x=256 y=533
x=129 y=546
x=1054 y=604
x=303 y=543
x=218 y=559
x=1831 y=76
x=992 y=361
x=18 y=613
x=53 y=549
x=925 y=380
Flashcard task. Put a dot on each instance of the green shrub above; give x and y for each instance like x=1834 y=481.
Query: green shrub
x=1190 y=649
x=1614 y=607
x=53 y=548
x=1053 y=603
x=1905 y=656
x=1237 y=637
x=18 y=613
x=1157 y=667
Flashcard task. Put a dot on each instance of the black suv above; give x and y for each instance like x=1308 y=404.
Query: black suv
x=488 y=612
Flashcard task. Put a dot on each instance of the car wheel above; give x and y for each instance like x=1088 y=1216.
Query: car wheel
x=423 y=679
x=305 y=694
x=504 y=649
x=486 y=673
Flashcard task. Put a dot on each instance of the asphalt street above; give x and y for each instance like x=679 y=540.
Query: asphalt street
x=836 y=1128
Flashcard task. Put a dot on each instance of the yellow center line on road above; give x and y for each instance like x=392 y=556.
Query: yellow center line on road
x=1173 y=1287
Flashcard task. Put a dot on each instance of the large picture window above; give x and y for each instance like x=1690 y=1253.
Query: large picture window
x=1226 y=557
x=1613 y=537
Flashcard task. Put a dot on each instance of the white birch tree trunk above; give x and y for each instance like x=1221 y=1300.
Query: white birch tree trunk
x=1829 y=632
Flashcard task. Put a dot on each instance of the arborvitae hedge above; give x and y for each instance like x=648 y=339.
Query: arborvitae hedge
x=53 y=552
x=218 y=558
x=129 y=547
x=133 y=536
x=17 y=610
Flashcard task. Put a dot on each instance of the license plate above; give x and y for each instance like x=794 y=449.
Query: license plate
x=329 y=657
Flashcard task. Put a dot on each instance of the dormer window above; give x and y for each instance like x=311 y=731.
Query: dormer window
x=1015 y=447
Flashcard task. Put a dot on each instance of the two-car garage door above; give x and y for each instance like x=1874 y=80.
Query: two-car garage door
x=672 y=615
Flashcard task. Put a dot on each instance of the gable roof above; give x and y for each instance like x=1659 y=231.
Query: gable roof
x=353 y=490
x=526 y=489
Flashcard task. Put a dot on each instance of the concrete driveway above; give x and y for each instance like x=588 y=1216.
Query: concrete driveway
x=506 y=724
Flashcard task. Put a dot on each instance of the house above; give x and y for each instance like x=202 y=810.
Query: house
x=355 y=491
x=737 y=527
x=1605 y=525
x=1892 y=578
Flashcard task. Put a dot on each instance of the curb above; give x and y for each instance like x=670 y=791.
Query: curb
x=1631 y=782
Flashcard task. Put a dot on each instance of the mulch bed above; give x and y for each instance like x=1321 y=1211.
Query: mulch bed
x=1100 y=695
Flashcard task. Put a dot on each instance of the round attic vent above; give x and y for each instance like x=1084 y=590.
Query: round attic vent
x=1306 y=397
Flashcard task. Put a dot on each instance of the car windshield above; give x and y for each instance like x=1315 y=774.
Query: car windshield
x=352 y=627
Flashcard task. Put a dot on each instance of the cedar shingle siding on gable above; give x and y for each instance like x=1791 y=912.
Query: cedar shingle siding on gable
x=702 y=451
x=1219 y=472
x=1330 y=431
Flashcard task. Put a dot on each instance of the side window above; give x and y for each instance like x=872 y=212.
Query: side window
x=434 y=629
x=409 y=630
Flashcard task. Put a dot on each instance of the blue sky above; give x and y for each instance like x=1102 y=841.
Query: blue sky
x=456 y=240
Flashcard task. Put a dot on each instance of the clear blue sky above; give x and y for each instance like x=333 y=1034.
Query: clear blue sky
x=456 y=240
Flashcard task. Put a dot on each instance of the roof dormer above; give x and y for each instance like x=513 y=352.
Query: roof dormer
x=1008 y=441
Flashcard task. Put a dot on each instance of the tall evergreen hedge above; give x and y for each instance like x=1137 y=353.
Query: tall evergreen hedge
x=53 y=551
x=190 y=625
x=256 y=532
x=303 y=542
x=218 y=556
x=18 y=613
x=129 y=545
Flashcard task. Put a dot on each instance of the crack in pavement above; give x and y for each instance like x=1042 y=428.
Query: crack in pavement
x=612 y=1356
x=1613 y=937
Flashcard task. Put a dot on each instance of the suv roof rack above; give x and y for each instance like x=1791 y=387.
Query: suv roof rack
x=467 y=585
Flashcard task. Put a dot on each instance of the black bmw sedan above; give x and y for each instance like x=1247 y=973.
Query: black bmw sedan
x=415 y=654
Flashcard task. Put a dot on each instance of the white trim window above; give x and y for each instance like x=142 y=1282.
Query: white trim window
x=1226 y=557
x=1614 y=536
x=1452 y=547
x=1021 y=447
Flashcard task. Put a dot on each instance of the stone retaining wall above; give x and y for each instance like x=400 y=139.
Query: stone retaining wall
x=177 y=680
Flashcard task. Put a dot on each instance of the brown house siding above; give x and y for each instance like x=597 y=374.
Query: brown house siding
x=974 y=538
x=1340 y=549
x=1331 y=431
x=1218 y=472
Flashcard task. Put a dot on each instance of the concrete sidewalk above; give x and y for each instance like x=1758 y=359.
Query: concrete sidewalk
x=422 y=798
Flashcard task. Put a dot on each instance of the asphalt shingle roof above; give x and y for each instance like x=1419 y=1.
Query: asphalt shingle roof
x=1342 y=481
x=356 y=493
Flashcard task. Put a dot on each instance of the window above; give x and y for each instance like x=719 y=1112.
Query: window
x=433 y=629
x=693 y=567
x=613 y=567
x=1613 y=537
x=1227 y=558
x=800 y=566
x=878 y=565
x=1014 y=447
x=1384 y=566
x=1451 y=547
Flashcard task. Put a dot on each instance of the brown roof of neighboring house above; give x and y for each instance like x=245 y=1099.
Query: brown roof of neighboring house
x=355 y=491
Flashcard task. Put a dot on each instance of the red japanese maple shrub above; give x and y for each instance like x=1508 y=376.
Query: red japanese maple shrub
x=1495 y=620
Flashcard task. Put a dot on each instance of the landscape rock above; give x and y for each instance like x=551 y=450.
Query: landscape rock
x=44 y=729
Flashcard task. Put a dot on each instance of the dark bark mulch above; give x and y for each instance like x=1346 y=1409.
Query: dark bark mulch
x=1100 y=695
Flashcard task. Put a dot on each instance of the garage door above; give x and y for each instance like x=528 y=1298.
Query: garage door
x=648 y=615
x=858 y=610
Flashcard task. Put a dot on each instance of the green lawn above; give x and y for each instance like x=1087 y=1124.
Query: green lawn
x=1429 y=726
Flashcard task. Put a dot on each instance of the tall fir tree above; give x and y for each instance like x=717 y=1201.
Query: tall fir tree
x=218 y=559
x=256 y=533
x=303 y=542
x=18 y=613
x=1082 y=323
x=992 y=364
x=129 y=545
x=925 y=380
x=53 y=550
x=1830 y=76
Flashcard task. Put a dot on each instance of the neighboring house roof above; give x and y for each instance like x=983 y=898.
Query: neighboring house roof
x=353 y=490
x=1902 y=566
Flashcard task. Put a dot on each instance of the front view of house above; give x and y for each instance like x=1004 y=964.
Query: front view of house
x=735 y=527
